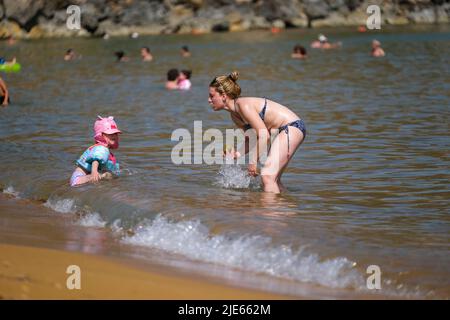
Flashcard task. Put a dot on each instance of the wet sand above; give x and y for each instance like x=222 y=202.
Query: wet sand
x=36 y=273
x=37 y=246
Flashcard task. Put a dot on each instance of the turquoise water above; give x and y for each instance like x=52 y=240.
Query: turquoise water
x=368 y=187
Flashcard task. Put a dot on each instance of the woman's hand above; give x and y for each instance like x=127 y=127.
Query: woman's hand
x=229 y=152
x=232 y=154
x=252 y=170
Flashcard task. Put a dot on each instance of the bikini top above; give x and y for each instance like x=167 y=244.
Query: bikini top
x=107 y=161
x=262 y=114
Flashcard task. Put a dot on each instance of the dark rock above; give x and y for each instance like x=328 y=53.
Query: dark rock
x=221 y=27
x=316 y=9
x=39 y=18
x=352 y=5
x=51 y=7
x=141 y=13
x=24 y=12
x=89 y=17
x=285 y=10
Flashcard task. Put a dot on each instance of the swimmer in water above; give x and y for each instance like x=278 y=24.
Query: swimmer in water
x=121 y=57
x=146 y=54
x=185 y=53
x=98 y=162
x=323 y=43
x=299 y=52
x=70 y=55
x=377 y=51
x=262 y=115
x=183 y=81
x=4 y=61
x=172 y=79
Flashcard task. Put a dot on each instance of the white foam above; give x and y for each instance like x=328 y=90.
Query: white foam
x=62 y=205
x=116 y=227
x=253 y=253
x=10 y=191
x=92 y=220
x=233 y=176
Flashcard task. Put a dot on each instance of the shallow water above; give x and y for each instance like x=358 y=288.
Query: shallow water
x=368 y=187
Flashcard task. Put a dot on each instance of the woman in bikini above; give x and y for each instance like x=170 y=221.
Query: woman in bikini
x=262 y=115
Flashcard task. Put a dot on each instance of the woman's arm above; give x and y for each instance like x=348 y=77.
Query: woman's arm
x=243 y=148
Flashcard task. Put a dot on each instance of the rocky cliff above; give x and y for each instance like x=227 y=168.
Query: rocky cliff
x=47 y=18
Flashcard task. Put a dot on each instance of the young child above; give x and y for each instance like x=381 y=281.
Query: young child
x=98 y=162
x=183 y=80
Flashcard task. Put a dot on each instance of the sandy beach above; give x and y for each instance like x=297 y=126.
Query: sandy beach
x=36 y=273
x=33 y=264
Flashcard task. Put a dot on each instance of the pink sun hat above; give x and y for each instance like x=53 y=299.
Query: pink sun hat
x=105 y=125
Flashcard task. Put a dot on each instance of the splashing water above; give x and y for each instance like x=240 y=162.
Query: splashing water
x=10 y=191
x=92 y=220
x=255 y=253
x=62 y=205
x=233 y=176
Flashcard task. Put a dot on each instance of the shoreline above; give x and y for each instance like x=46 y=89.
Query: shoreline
x=139 y=31
x=37 y=273
x=37 y=246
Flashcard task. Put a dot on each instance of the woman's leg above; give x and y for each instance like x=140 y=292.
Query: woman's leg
x=292 y=152
x=278 y=159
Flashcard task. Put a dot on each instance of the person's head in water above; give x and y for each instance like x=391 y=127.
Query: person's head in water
x=322 y=38
x=172 y=74
x=376 y=44
x=185 y=74
x=172 y=77
x=183 y=80
x=185 y=51
x=146 y=54
x=299 y=52
x=222 y=89
x=120 y=55
x=70 y=54
x=377 y=50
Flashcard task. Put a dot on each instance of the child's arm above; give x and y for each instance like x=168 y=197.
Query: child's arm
x=94 y=173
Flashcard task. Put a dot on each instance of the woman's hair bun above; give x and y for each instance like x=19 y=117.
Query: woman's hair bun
x=234 y=76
